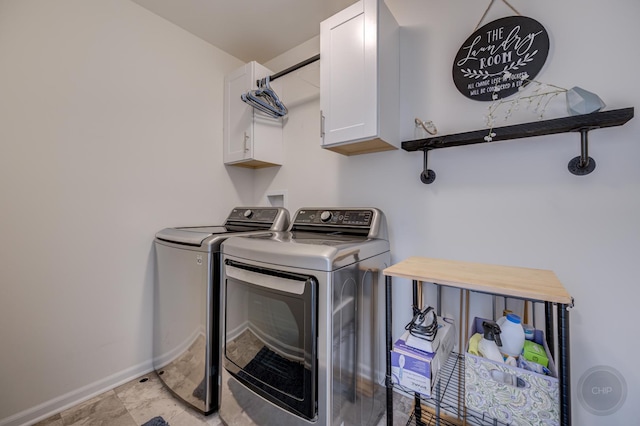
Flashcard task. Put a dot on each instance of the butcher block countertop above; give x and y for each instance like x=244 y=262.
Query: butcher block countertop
x=511 y=281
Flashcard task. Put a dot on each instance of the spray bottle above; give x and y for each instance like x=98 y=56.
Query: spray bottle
x=488 y=346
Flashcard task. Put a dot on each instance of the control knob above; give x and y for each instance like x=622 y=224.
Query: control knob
x=326 y=216
x=248 y=214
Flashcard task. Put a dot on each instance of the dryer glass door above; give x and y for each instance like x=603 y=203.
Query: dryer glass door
x=270 y=335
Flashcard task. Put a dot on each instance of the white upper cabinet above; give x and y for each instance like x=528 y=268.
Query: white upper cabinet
x=360 y=80
x=251 y=138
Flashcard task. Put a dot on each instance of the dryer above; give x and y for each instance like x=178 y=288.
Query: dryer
x=187 y=309
x=303 y=324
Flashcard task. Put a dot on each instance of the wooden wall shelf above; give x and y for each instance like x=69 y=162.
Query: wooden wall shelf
x=581 y=165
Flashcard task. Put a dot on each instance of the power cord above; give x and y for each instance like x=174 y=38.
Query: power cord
x=424 y=324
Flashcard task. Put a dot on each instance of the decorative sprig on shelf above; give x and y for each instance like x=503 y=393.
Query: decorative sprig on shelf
x=540 y=96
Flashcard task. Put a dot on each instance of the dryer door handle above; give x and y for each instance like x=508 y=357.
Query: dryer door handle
x=267 y=278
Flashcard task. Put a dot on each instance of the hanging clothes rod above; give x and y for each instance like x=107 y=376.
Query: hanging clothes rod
x=265 y=99
x=295 y=67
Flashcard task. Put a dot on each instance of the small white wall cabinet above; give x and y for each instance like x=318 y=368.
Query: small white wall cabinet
x=251 y=139
x=359 y=79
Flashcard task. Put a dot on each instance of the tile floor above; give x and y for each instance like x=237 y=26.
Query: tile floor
x=132 y=404
x=140 y=400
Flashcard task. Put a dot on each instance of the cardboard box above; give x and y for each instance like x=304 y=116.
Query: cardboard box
x=416 y=370
x=536 y=353
x=511 y=395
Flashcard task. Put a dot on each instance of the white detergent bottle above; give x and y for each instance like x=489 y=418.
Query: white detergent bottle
x=512 y=336
x=488 y=346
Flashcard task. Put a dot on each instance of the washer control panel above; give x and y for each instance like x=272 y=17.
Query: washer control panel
x=253 y=214
x=335 y=217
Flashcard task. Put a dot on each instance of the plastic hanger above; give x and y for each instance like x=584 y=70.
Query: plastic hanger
x=265 y=99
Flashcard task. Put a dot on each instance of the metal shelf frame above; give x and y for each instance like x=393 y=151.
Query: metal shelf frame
x=447 y=406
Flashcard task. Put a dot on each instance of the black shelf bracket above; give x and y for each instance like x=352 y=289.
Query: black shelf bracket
x=580 y=166
x=427 y=176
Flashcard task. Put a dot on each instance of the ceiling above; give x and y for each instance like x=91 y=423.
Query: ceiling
x=250 y=30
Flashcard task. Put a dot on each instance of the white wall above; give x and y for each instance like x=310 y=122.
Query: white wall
x=510 y=203
x=110 y=130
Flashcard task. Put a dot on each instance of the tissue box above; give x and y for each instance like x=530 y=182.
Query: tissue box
x=416 y=370
x=509 y=394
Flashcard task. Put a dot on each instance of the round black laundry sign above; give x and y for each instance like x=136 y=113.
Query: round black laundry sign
x=500 y=57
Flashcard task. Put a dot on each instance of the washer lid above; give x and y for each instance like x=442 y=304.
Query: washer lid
x=191 y=236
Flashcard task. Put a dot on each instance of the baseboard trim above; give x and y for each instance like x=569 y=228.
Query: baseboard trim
x=70 y=399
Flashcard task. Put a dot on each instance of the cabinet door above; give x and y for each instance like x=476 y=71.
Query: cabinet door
x=238 y=120
x=348 y=74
